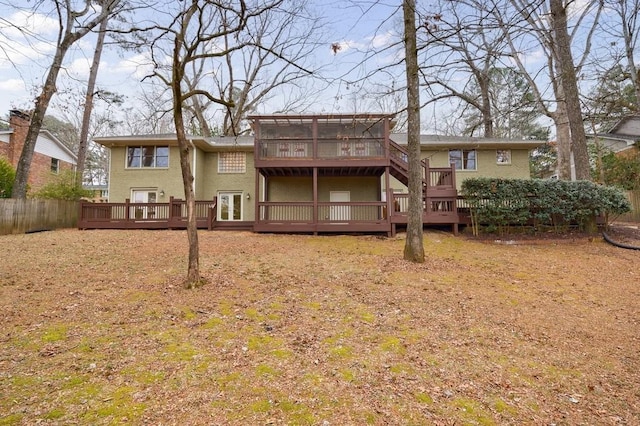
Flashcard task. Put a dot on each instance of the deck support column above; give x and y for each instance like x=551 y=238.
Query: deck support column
x=315 y=201
x=390 y=204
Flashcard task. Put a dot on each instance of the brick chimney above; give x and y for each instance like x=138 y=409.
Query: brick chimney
x=19 y=123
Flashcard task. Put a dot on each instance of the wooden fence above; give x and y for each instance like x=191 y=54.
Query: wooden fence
x=634 y=215
x=18 y=216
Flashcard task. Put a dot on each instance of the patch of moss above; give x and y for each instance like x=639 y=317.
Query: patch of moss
x=504 y=408
x=341 y=351
x=266 y=370
x=347 y=375
x=226 y=308
x=55 y=414
x=230 y=381
x=261 y=406
x=55 y=333
x=473 y=411
x=188 y=314
x=423 y=398
x=392 y=344
x=253 y=314
x=257 y=343
x=180 y=352
x=11 y=419
x=281 y=353
x=120 y=407
x=367 y=317
x=296 y=412
x=213 y=322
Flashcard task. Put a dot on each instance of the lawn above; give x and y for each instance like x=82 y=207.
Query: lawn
x=319 y=330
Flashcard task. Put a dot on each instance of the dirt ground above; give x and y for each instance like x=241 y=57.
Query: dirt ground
x=320 y=330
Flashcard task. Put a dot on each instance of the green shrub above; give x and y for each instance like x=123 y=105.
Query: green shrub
x=63 y=187
x=7 y=176
x=498 y=204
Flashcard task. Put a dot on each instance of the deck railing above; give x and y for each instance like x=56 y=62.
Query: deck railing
x=303 y=212
x=130 y=215
x=301 y=149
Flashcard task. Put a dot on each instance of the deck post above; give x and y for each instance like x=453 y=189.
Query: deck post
x=315 y=200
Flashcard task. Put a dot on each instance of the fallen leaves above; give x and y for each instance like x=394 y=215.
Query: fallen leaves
x=316 y=330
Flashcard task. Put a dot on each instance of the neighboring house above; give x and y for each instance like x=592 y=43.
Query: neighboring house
x=50 y=156
x=622 y=138
x=308 y=173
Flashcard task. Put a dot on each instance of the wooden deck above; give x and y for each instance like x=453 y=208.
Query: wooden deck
x=128 y=215
x=279 y=217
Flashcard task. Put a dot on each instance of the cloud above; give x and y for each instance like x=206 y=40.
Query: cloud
x=139 y=66
x=12 y=86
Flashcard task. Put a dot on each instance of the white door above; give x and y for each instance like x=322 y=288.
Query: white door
x=143 y=196
x=340 y=212
x=229 y=206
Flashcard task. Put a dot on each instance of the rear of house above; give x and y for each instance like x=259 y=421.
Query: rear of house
x=308 y=173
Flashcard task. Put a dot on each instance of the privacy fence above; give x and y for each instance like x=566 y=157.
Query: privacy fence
x=634 y=214
x=20 y=216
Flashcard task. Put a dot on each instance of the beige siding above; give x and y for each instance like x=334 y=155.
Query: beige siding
x=123 y=180
x=301 y=188
x=360 y=188
x=486 y=166
x=214 y=182
x=290 y=189
x=199 y=173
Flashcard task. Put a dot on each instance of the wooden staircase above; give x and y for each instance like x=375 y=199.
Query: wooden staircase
x=439 y=191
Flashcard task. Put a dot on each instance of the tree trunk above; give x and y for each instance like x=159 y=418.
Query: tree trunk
x=563 y=140
x=569 y=85
x=193 y=269
x=42 y=104
x=193 y=278
x=88 y=103
x=414 y=245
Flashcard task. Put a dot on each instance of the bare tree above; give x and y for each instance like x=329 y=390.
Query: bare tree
x=461 y=48
x=88 y=103
x=624 y=31
x=535 y=25
x=73 y=25
x=278 y=50
x=414 y=245
x=200 y=31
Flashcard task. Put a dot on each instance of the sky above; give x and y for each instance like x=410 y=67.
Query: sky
x=355 y=26
x=24 y=61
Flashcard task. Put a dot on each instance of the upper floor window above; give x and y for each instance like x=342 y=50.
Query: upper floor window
x=232 y=162
x=464 y=159
x=503 y=156
x=55 y=165
x=147 y=156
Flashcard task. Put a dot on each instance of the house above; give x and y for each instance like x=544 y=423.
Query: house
x=300 y=173
x=50 y=156
x=622 y=138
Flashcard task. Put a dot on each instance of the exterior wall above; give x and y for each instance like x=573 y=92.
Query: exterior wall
x=45 y=150
x=4 y=146
x=301 y=188
x=290 y=189
x=360 y=188
x=199 y=172
x=213 y=182
x=122 y=180
x=486 y=166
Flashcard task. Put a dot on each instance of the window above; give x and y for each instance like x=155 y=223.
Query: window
x=230 y=206
x=147 y=156
x=464 y=159
x=503 y=156
x=55 y=165
x=232 y=162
